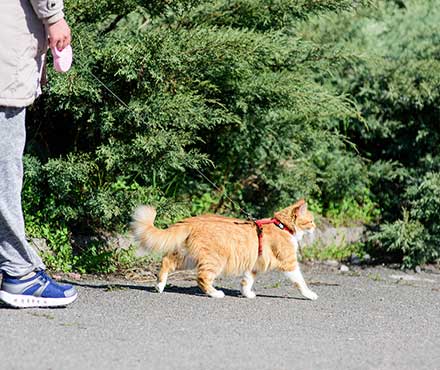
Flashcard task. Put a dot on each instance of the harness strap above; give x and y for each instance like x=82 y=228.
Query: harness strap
x=266 y=221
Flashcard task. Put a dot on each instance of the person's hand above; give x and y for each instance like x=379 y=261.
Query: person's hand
x=59 y=34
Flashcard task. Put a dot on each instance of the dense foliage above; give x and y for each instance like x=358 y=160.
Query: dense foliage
x=395 y=82
x=272 y=100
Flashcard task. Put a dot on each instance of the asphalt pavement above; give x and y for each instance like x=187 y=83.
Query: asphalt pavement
x=373 y=318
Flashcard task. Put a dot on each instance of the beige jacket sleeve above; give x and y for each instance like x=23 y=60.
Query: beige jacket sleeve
x=49 y=11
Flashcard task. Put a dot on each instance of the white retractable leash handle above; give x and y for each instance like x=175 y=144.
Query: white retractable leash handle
x=62 y=59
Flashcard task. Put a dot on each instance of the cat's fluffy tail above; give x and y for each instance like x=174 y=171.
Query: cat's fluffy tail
x=152 y=238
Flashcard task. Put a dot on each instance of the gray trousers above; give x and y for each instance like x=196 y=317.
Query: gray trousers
x=17 y=258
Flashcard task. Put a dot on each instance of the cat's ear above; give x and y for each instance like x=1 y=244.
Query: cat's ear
x=298 y=208
x=288 y=215
x=301 y=209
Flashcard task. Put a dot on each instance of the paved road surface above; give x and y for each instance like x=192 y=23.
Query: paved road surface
x=368 y=319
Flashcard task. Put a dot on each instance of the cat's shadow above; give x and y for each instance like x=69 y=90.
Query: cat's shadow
x=170 y=288
x=195 y=290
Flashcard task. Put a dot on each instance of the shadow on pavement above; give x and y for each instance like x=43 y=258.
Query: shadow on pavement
x=281 y=297
x=192 y=290
x=4 y=306
x=109 y=286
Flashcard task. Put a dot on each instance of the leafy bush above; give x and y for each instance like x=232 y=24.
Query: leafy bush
x=341 y=252
x=269 y=99
x=189 y=85
x=393 y=78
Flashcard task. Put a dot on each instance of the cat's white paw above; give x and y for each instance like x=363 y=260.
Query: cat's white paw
x=160 y=287
x=217 y=294
x=309 y=294
x=249 y=294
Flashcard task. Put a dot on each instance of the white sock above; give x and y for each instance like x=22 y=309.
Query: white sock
x=27 y=276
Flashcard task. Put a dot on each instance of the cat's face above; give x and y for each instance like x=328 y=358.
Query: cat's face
x=305 y=221
x=297 y=217
x=304 y=224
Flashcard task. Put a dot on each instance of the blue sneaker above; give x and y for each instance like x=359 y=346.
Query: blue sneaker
x=38 y=291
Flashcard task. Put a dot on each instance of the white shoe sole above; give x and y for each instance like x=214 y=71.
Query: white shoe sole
x=28 y=301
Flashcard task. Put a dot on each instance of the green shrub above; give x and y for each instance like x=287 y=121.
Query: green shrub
x=341 y=252
x=393 y=79
x=189 y=85
x=404 y=236
x=423 y=198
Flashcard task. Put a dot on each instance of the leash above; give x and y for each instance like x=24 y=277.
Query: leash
x=126 y=106
x=258 y=223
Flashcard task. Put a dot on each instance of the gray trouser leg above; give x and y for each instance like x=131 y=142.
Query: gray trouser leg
x=17 y=258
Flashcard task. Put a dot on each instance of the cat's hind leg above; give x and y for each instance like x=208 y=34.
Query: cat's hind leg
x=205 y=280
x=169 y=264
x=246 y=284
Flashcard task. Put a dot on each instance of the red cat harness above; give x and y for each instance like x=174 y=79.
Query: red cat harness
x=266 y=221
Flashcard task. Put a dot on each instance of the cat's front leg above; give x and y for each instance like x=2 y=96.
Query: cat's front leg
x=246 y=284
x=295 y=276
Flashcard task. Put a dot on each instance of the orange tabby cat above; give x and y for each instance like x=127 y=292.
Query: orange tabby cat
x=220 y=245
